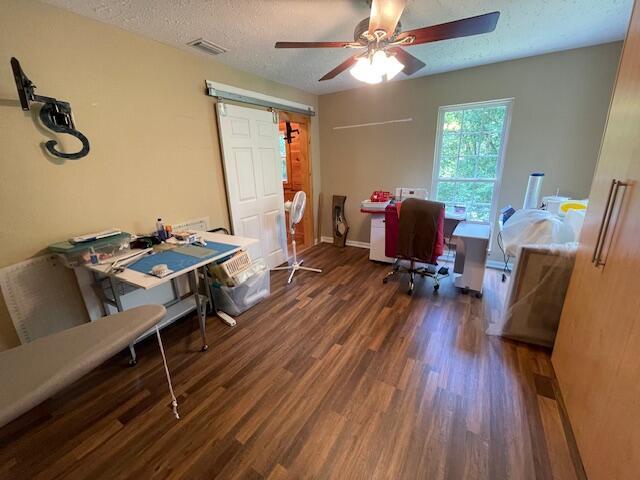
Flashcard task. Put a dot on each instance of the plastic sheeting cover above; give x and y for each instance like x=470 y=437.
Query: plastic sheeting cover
x=537 y=289
x=534 y=227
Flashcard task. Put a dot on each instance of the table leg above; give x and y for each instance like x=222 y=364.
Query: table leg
x=116 y=298
x=228 y=319
x=97 y=285
x=207 y=288
x=134 y=358
x=201 y=309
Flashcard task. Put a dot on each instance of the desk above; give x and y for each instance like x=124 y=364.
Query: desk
x=377 y=234
x=121 y=283
x=471 y=255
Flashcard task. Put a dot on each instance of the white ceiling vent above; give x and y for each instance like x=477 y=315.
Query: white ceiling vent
x=207 y=46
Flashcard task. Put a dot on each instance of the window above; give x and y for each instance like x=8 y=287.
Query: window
x=468 y=157
x=283 y=157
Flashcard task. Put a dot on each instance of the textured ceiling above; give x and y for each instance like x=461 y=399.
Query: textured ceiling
x=249 y=28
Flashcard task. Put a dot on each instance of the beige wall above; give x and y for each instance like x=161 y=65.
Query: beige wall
x=559 y=110
x=154 y=146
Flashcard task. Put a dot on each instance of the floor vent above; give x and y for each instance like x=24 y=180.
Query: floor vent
x=207 y=46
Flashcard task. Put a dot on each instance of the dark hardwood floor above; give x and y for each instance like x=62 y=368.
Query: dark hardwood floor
x=335 y=376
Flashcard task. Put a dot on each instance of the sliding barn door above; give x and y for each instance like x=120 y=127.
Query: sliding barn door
x=253 y=176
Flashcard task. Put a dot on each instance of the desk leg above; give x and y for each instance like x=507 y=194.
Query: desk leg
x=200 y=308
x=229 y=320
x=116 y=298
x=98 y=287
x=134 y=358
x=116 y=293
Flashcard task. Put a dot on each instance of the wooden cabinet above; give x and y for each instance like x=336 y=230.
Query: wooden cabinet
x=597 y=351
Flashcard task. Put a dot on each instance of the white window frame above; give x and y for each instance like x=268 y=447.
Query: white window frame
x=504 y=102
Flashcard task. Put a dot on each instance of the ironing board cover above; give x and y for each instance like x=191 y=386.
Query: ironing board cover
x=36 y=370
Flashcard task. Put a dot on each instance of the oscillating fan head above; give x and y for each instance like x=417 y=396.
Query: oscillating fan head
x=297 y=207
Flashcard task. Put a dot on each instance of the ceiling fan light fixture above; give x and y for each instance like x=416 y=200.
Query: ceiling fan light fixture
x=386 y=65
x=376 y=68
x=382 y=35
x=364 y=71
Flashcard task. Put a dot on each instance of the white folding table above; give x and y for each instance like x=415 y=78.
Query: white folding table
x=179 y=306
x=472 y=244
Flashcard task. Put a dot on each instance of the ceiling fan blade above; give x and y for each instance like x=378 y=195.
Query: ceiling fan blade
x=459 y=28
x=411 y=63
x=340 y=68
x=314 y=44
x=385 y=15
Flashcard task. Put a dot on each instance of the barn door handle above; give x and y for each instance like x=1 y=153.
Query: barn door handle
x=606 y=222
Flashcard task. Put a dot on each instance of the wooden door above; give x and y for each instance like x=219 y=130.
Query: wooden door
x=300 y=173
x=597 y=350
x=252 y=169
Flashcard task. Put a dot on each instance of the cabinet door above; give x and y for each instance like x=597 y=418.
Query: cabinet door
x=597 y=351
x=377 y=240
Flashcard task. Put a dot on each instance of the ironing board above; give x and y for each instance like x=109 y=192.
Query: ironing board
x=31 y=373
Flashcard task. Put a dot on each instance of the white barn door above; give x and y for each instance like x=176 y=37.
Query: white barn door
x=253 y=176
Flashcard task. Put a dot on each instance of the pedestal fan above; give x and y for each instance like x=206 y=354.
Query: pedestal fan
x=296 y=211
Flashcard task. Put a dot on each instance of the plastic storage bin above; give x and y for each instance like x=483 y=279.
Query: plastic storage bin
x=77 y=254
x=235 y=300
x=227 y=272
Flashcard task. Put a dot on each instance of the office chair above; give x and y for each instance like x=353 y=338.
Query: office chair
x=416 y=236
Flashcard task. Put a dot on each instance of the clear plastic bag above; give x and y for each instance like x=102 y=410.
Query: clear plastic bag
x=537 y=289
x=534 y=227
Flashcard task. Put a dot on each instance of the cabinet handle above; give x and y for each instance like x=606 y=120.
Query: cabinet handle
x=604 y=217
x=606 y=222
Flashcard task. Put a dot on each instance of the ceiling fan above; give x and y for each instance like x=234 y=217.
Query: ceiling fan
x=382 y=37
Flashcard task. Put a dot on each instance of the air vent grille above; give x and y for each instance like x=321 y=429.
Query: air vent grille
x=207 y=46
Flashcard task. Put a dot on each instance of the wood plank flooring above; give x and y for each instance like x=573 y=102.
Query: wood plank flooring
x=335 y=376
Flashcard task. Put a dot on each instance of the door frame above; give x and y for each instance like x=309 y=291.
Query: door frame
x=305 y=122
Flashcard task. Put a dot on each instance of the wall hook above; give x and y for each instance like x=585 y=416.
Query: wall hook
x=56 y=115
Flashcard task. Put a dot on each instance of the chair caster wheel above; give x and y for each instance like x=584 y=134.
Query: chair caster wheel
x=204 y=348
x=436 y=288
x=133 y=363
x=504 y=277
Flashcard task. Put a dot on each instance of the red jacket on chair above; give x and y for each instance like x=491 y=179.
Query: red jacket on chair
x=392 y=224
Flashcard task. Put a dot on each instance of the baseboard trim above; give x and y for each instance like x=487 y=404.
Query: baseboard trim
x=570 y=437
x=493 y=264
x=498 y=265
x=350 y=243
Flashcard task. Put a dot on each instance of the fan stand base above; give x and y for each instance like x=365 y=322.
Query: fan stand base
x=296 y=265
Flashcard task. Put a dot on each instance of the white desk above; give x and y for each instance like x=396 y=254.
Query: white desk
x=179 y=306
x=471 y=255
x=145 y=281
x=377 y=235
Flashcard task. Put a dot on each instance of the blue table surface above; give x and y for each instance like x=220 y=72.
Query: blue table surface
x=178 y=261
